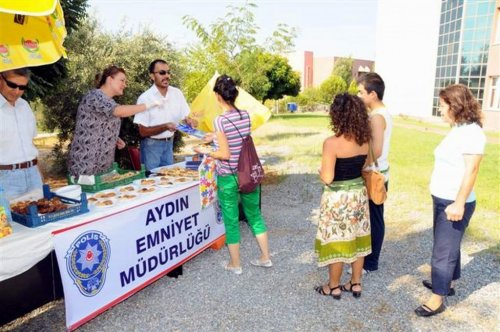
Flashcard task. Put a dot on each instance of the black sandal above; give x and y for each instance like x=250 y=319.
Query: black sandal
x=425 y=311
x=356 y=294
x=321 y=291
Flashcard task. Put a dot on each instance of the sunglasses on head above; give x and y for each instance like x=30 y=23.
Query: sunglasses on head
x=13 y=85
x=162 y=72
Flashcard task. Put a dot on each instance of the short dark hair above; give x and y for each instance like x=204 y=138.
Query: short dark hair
x=373 y=82
x=25 y=72
x=152 y=65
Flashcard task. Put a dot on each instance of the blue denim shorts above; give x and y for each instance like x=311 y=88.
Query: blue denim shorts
x=18 y=182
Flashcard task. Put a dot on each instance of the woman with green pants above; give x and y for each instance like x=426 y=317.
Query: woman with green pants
x=230 y=127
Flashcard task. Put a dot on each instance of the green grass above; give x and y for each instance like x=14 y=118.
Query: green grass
x=295 y=141
x=439 y=126
x=404 y=120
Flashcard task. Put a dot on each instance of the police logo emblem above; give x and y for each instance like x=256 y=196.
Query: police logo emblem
x=87 y=262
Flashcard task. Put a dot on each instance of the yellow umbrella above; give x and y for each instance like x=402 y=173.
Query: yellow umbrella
x=28 y=7
x=205 y=107
x=30 y=40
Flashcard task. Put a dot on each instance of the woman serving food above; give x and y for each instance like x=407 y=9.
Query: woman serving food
x=98 y=123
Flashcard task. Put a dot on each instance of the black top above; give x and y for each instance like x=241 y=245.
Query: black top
x=349 y=168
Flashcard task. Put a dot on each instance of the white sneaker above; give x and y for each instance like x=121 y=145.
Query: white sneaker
x=363 y=272
x=258 y=262
x=235 y=270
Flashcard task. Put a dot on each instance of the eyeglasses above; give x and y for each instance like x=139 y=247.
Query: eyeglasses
x=163 y=72
x=13 y=85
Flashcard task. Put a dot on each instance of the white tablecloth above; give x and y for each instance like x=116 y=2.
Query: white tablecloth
x=27 y=246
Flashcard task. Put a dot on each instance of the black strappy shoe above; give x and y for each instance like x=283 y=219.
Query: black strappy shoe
x=356 y=294
x=321 y=291
x=425 y=311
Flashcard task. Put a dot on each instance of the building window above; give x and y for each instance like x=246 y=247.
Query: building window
x=464 y=40
x=495 y=93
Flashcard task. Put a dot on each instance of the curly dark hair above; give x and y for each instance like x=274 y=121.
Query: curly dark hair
x=349 y=117
x=464 y=108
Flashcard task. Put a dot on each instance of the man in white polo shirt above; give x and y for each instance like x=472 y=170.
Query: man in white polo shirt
x=18 y=155
x=157 y=124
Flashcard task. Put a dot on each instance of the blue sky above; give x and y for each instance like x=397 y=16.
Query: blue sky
x=328 y=27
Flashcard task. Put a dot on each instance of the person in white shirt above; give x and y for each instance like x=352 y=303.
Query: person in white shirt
x=19 y=172
x=456 y=166
x=158 y=124
x=371 y=89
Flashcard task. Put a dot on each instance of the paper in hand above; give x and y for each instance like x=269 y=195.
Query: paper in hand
x=185 y=128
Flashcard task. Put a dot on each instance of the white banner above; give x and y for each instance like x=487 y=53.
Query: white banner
x=107 y=260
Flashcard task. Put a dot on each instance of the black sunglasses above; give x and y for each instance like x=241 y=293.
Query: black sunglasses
x=163 y=72
x=13 y=85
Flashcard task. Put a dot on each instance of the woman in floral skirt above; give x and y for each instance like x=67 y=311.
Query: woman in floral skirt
x=344 y=228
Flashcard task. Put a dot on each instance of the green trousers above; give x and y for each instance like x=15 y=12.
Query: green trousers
x=229 y=197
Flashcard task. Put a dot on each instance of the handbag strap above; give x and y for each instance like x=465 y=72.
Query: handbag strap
x=372 y=154
x=241 y=136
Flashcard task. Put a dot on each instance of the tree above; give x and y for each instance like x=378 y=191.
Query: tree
x=282 y=40
x=343 y=68
x=229 y=46
x=225 y=39
x=282 y=79
x=253 y=72
x=309 y=97
x=331 y=87
x=353 y=88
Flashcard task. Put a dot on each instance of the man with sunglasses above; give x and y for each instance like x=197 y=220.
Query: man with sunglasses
x=18 y=155
x=158 y=124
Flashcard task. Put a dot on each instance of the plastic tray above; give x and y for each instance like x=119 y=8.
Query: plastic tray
x=100 y=185
x=33 y=219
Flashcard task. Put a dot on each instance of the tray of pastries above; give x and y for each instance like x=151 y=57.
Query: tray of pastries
x=50 y=208
x=176 y=172
x=43 y=206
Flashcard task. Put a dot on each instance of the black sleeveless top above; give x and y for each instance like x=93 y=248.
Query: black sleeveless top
x=349 y=168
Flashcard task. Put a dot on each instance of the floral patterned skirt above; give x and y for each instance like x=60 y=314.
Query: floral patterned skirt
x=344 y=223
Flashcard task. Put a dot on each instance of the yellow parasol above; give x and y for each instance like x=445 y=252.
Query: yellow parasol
x=205 y=107
x=31 y=33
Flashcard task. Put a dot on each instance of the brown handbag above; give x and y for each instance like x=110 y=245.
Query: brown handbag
x=374 y=180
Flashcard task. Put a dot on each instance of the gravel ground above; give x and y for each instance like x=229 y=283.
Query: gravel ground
x=207 y=298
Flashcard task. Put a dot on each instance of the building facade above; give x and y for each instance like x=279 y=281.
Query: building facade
x=491 y=104
x=323 y=67
x=465 y=33
x=303 y=62
x=314 y=70
x=425 y=46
